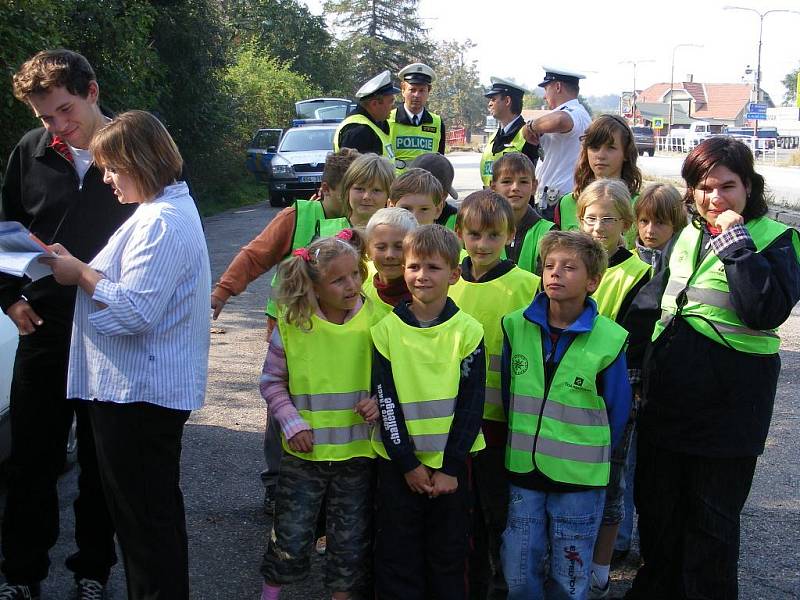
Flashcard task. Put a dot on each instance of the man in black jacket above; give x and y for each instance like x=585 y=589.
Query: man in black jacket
x=53 y=188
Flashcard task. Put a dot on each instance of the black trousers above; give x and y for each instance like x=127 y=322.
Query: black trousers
x=486 y=580
x=40 y=421
x=139 y=452
x=689 y=509
x=421 y=544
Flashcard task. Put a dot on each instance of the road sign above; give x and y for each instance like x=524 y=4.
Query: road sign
x=756 y=116
x=759 y=108
x=658 y=123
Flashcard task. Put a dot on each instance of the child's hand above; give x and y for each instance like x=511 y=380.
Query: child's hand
x=419 y=480
x=302 y=441
x=368 y=409
x=443 y=484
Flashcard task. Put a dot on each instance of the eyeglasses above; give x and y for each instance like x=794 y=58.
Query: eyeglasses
x=591 y=221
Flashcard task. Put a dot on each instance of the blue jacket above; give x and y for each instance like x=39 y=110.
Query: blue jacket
x=612 y=383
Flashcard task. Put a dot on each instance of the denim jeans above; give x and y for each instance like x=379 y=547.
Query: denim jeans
x=544 y=529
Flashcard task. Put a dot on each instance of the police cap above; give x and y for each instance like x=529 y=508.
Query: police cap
x=507 y=87
x=553 y=74
x=417 y=73
x=380 y=85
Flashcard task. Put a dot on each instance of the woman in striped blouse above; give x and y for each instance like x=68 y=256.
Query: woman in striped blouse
x=139 y=350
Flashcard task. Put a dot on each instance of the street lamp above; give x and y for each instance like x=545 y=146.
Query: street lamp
x=672 y=80
x=633 y=103
x=760 y=31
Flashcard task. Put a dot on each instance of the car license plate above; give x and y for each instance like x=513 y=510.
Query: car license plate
x=310 y=178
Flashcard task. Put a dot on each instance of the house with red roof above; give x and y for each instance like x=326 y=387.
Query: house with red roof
x=723 y=103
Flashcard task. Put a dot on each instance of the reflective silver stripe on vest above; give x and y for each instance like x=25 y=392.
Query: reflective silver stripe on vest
x=560 y=412
x=589 y=454
x=493 y=396
x=430 y=442
x=338 y=401
x=494 y=362
x=667 y=316
x=428 y=409
x=715 y=298
x=342 y=435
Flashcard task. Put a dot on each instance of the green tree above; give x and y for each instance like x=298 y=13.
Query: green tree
x=287 y=31
x=790 y=83
x=380 y=34
x=265 y=90
x=532 y=102
x=457 y=92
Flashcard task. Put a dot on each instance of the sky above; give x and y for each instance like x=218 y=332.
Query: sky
x=596 y=37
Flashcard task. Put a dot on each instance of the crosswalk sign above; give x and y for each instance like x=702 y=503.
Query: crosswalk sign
x=658 y=123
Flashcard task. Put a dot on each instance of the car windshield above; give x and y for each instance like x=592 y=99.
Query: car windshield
x=322 y=108
x=642 y=130
x=301 y=140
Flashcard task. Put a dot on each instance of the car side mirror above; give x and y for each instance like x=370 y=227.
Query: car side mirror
x=272 y=149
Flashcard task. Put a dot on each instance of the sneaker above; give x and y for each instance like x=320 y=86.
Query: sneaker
x=269 y=500
x=20 y=592
x=90 y=589
x=595 y=591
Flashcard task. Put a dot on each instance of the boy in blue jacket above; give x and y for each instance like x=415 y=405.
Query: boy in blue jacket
x=567 y=396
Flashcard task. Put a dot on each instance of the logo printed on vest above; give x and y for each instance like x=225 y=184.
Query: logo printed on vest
x=409 y=142
x=519 y=364
x=429 y=129
x=487 y=168
x=578 y=382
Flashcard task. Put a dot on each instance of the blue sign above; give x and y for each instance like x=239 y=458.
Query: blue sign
x=756 y=116
x=759 y=108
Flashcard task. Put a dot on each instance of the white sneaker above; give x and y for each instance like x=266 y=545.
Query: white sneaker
x=595 y=591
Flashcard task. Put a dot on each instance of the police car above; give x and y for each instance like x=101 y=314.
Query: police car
x=295 y=168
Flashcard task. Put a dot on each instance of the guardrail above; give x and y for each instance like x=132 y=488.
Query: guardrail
x=762 y=148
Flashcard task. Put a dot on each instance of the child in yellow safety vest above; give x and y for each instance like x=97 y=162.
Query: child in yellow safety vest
x=490 y=287
x=604 y=210
x=316 y=381
x=513 y=177
x=441 y=168
x=565 y=388
x=385 y=284
x=429 y=375
x=608 y=150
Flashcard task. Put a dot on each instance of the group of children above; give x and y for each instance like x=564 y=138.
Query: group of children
x=457 y=395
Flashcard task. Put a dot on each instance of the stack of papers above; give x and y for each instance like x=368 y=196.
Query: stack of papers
x=19 y=251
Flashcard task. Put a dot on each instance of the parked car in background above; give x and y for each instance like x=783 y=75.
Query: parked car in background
x=645 y=140
x=261 y=150
x=291 y=162
x=8 y=350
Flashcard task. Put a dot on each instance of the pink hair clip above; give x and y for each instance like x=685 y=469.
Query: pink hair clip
x=302 y=253
x=345 y=234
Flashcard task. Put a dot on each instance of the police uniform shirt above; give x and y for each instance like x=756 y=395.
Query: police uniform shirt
x=361 y=137
x=402 y=116
x=505 y=135
x=561 y=150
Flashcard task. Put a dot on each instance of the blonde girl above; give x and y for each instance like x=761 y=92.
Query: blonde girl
x=365 y=188
x=608 y=151
x=316 y=381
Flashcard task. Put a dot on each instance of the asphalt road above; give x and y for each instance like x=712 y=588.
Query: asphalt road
x=222 y=459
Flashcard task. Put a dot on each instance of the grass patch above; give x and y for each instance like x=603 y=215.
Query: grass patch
x=240 y=191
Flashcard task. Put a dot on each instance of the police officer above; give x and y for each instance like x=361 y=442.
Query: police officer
x=505 y=105
x=366 y=129
x=415 y=130
x=559 y=134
